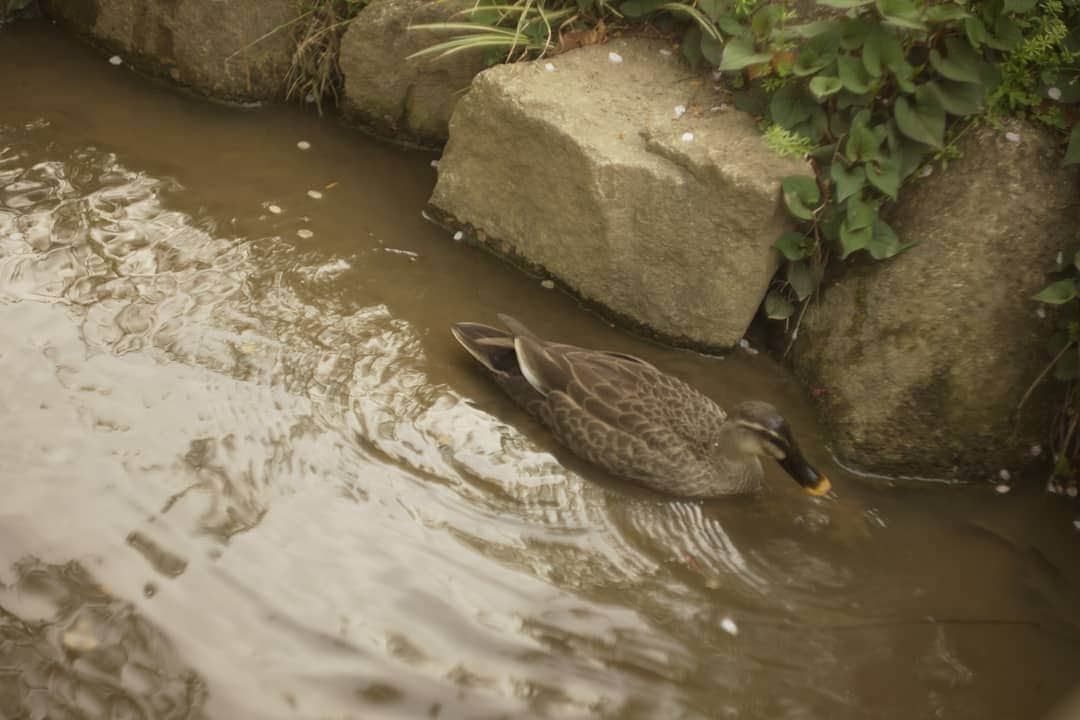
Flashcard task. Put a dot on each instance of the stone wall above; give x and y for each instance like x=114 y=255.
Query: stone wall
x=919 y=362
x=236 y=50
x=408 y=99
x=619 y=173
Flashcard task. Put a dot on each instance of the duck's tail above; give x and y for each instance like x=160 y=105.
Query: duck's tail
x=492 y=348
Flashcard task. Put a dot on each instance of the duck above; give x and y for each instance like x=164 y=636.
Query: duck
x=635 y=421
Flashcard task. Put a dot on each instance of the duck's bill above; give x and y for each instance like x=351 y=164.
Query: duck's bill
x=803 y=473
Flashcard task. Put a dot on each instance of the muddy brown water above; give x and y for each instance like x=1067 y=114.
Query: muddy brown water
x=248 y=474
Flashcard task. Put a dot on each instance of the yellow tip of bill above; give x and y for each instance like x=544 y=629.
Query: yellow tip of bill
x=821 y=488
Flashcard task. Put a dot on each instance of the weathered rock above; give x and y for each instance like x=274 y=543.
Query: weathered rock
x=409 y=99
x=222 y=48
x=924 y=358
x=584 y=170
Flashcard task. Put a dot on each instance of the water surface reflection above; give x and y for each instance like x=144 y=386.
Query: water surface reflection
x=247 y=473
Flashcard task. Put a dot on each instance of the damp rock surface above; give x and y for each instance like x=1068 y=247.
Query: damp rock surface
x=584 y=172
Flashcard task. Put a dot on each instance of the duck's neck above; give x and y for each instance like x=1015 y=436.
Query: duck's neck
x=736 y=467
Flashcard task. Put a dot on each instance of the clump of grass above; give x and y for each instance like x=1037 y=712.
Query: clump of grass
x=315 y=73
x=507 y=32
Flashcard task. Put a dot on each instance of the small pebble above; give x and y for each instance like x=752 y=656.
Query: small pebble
x=550 y=67
x=1002 y=489
x=1053 y=93
x=1040 y=313
x=687 y=137
x=614 y=57
x=1004 y=475
x=310 y=97
x=927 y=171
x=1072 y=491
x=1060 y=259
x=304 y=145
x=304 y=234
x=665 y=52
x=116 y=60
x=274 y=209
x=314 y=194
x=1076 y=524
x=680 y=110
x=435 y=164
x=729 y=626
x=1012 y=137
x=1036 y=450
x=459 y=235
x=547 y=284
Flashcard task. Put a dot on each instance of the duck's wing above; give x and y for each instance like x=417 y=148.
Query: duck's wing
x=621 y=391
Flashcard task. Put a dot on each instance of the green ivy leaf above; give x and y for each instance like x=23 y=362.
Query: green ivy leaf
x=778 y=307
x=790 y=106
x=925 y=122
x=853 y=74
x=1019 y=6
x=800 y=191
x=946 y=12
x=713 y=49
x=848 y=182
x=884 y=243
x=794 y=246
x=975 y=31
x=853 y=240
x=902 y=13
x=961 y=63
x=1072 y=155
x=884 y=174
x=1057 y=293
x=823 y=86
x=1006 y=36
x=816 y=53
x=853 y=32
x=802 y=280
x=765 y=19
x=810 y=29
x=860 y=214
x=691 y=46
x=961 y=98
x=640 y=8
x=713 y=9
x=882 y=48
x=731 y=25
x=862 y=143
x=739 y=53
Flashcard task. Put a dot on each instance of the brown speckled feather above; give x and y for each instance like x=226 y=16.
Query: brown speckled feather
x=612 y=409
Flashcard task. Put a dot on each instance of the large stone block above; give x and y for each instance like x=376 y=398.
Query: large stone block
x=583 y=168
x=226 y=49
x=922 y=359
x=407 y=99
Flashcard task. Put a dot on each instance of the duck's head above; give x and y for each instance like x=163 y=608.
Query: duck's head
x=760 y=429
